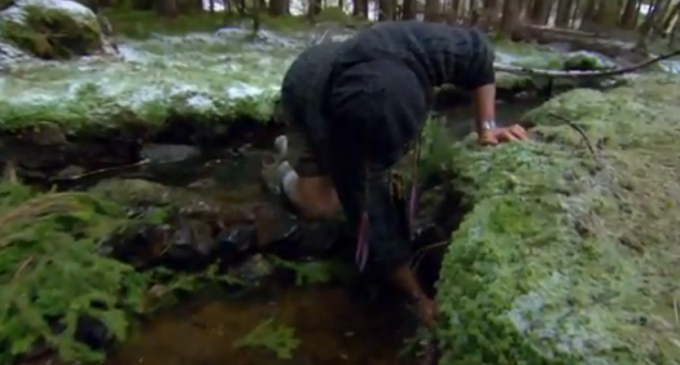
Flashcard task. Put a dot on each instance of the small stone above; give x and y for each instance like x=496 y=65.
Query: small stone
x=168 y=153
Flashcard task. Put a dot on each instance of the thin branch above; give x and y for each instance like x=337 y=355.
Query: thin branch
x=583 y=74
x=580 y=131
x=101 y=171
x=22 y=267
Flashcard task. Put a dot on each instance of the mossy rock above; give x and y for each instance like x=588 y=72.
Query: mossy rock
x=565 y=257
x=51 y=29
x=139 y=193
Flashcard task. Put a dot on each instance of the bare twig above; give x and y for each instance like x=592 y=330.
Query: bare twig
x=420 y=254
x=22 y=267
x=580 y=131
x=101 y=171
x=583 y=74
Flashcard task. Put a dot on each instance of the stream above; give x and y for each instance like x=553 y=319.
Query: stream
x=338 y=322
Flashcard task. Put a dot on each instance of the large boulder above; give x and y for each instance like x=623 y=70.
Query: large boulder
x=51 y=29
x=569 y=252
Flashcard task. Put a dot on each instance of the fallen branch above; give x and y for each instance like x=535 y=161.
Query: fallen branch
x=580 y=131
x=516 y=70
x=102 y=171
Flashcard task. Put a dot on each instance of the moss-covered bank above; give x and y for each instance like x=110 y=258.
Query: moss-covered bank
x=566 y=257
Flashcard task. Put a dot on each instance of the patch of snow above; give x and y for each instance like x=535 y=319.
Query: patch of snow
x=242 y=90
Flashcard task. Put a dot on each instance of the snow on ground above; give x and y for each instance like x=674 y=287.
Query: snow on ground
x=202 y=72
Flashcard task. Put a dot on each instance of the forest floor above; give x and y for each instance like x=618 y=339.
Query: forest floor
x=564 y=255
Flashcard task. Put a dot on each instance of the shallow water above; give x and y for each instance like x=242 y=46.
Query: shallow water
x=335 y=324
x=332 y=326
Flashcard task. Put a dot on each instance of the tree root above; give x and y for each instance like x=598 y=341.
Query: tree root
x=582 y=74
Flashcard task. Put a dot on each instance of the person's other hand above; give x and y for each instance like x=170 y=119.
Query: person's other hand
x=491 y=137
x=427 y=311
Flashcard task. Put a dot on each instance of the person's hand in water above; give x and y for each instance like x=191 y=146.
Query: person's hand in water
x=494 y=136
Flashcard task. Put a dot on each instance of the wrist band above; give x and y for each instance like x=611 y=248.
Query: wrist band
x=489 y=124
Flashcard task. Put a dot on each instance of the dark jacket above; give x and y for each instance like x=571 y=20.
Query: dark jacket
x=395 y=66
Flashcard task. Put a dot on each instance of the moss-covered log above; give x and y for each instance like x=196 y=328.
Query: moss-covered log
x=566 y=257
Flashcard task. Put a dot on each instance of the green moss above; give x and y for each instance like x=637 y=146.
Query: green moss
x=193 y=78
x=279 y=339
x=53 y=33
x=51 y=275
x=562 y=261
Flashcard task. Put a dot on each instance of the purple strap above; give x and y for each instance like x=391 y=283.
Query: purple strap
x=361 y=254
x=412 y=206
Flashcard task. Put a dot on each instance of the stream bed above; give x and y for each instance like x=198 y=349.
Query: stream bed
x=347 y=319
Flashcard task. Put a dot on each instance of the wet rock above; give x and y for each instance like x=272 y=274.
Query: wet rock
x=272 y=224
x=252 y=271
x=586 y=61
x=138 y=192
x=70 y=172
x=203 y=184
x=51 y=29
x=169 y=153
x=236 y=241
x=190 y=245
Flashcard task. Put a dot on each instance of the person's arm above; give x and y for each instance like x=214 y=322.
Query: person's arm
x=484 y=101
x=389 y=249
x=480 y=79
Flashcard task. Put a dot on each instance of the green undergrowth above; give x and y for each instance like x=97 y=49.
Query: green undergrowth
x=567 y=257
x=202 y=79
x=269 y=335
x=51 y=275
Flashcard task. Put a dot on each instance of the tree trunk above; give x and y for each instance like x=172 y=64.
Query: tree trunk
x=660 y=17
x=455 y=9
x=167 y=8
x=360 y=8
x=588 y=16
x=256 y=16
x=563 y=17
x=540 y=11
x=648 y=24
x=386 y=10
x=432 y=9
x=673 y=35
x=511 y=9
x=608 y=14
x=409 y=11
x=667 y=23
x=490 y=12
x=313 y=8
x=628 y=17
x=278 y=7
